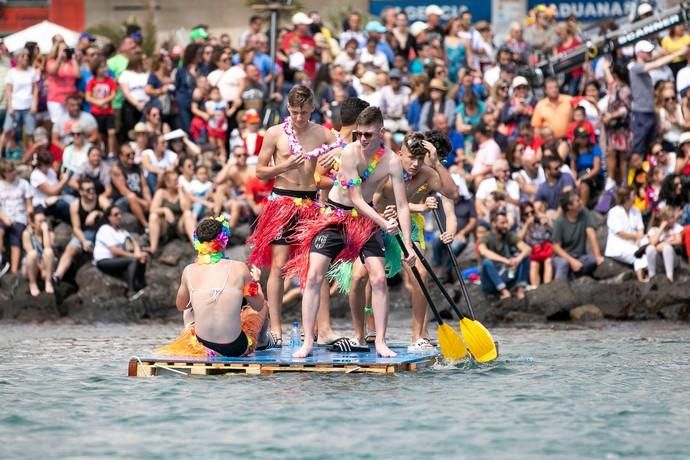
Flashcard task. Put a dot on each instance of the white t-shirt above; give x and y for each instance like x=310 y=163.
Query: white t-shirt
x=374 y=99
x=201 y=188
x=228 y=82
x=683 y=79
x=512 y=189
x=489 y=185
x=487 y=154
x=136 y=83
x=13 y=198
x=377 y=59
x=106 y=237
x=169 y=158
x=73 y=158
x=22 y=82
x=38 y=178
x=618 y=220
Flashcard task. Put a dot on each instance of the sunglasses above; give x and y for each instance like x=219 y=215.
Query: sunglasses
x=89 y=190
x=128 y=155
x=115 y=214
x=363 y=135
x=529 y=213
x=669 y=99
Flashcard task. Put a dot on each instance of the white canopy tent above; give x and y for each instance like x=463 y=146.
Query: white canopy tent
x=41 y=33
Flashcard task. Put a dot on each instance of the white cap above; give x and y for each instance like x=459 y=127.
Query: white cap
x=644 y=46
x=417 y=28
x=644 y=8
x=519 y=81
x=301 y=19
x=433 y=9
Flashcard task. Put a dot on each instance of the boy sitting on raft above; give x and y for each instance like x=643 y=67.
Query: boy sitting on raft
x=214 y=288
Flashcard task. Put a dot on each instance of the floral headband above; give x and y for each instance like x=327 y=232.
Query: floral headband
x=211 y=252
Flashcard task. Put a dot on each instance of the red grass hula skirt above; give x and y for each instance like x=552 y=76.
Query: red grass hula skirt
x=356 y=229
x=281 y=214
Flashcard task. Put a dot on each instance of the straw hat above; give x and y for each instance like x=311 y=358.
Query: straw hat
x=437 y=83
x=369 y=79
x=138 y=129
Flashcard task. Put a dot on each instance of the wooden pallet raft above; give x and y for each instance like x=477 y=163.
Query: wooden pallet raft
x=271 y=361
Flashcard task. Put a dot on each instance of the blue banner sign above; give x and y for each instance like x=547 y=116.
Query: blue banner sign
x=481 y=9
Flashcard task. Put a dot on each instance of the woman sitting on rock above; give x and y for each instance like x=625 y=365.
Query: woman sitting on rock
x=117 y=254
x=536 y=231
x=171 y=211
x=663 y=240
x=37 y=241
x=625 y=230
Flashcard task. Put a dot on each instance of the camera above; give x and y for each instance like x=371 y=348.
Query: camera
x=69 y=52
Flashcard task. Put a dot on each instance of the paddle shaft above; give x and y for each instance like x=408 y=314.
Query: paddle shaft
x=465 y=293
x=438 y=282
x=418 y=277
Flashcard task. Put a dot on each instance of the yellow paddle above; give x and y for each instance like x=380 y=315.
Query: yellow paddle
x=450 y=342
x=478 y=338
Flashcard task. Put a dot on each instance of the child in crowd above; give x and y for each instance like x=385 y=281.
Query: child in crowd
x=580 y=120
x=39 y=261
x=251 y=138
x=217 y=126
x=100 y=92
x=200 y=189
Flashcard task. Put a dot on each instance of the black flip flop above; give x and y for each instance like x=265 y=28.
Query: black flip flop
x=346 y=345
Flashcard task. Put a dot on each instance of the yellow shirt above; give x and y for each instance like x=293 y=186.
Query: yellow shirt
x=555 y=116
x=672 y=45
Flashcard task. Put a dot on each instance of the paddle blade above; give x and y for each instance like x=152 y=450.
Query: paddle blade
x=479 y=340
x=452 y=346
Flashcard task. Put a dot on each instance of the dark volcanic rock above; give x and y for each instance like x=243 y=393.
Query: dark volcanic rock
x=553 y=300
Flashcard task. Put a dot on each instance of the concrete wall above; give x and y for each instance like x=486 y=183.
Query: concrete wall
x=231 y=16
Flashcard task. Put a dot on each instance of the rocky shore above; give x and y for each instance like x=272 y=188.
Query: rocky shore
x=89 y=296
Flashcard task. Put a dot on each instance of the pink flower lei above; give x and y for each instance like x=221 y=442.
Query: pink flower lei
x=296 y=148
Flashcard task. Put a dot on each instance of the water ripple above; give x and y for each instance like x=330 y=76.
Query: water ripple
x=617 y=391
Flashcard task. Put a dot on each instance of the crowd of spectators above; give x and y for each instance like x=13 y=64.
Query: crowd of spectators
x=100 y=129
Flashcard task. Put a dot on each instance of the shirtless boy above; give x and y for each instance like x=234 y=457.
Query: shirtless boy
x=230 y=182
x=214 y=288
x=347 y=228
x=423 y=173
x=289 y=154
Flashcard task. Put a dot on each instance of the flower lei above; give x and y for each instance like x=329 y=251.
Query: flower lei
x=297 y=149
x=365 y=175
x=210 y=252
x=299 y=202
x=339 y=212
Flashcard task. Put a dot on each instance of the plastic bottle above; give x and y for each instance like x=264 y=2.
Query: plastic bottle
x=295 y=337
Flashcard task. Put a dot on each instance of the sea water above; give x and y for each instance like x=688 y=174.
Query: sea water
x=608 y=391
